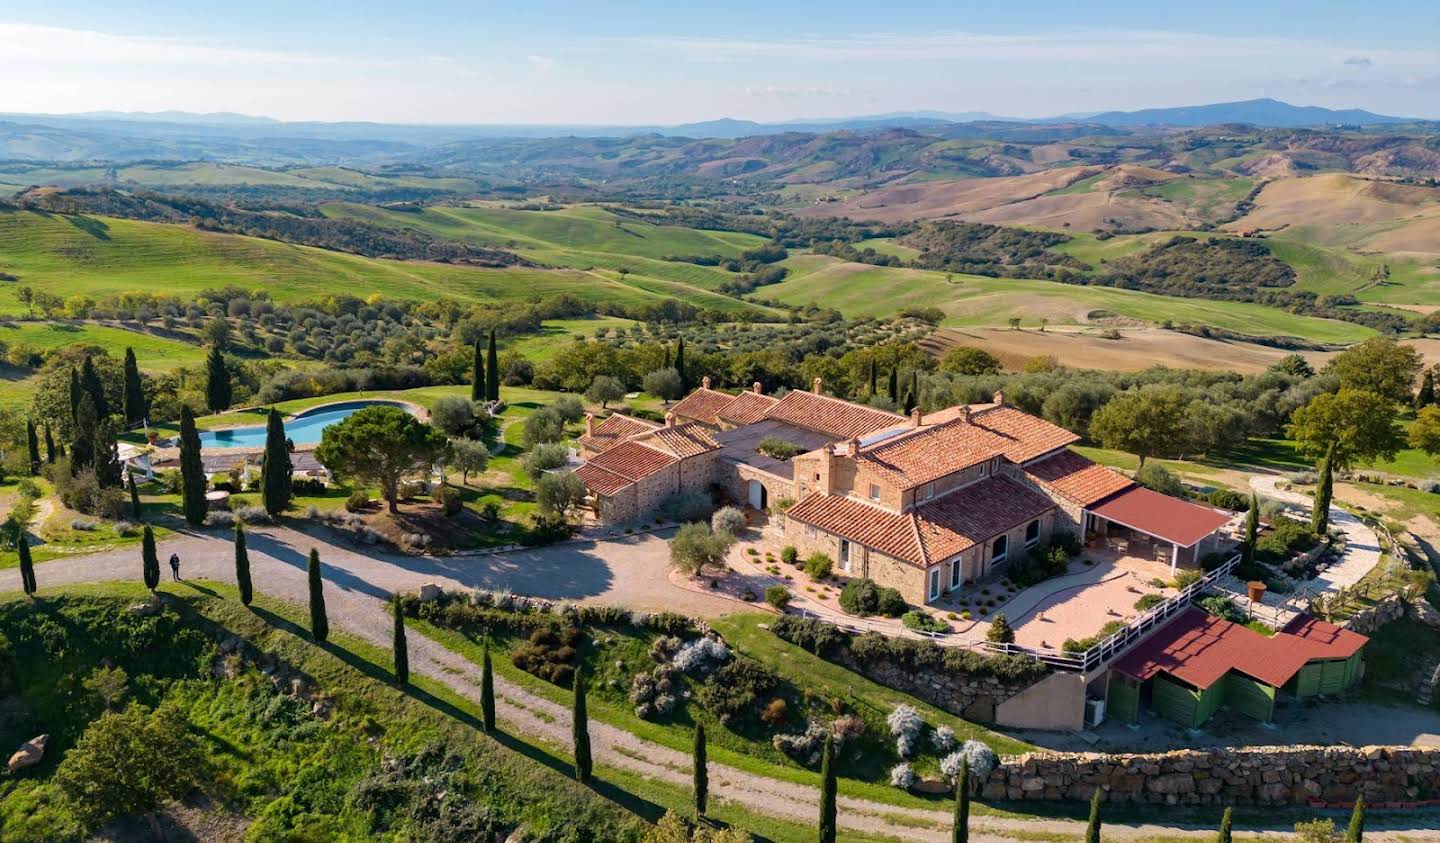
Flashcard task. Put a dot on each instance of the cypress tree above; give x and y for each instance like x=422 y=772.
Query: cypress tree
x=49 y=446
x=135 y=508
x=827 y=792
x=960 y=832
x=1426 y=396
x=27 y=566
x=75 y=393
x=910 y=402
x=134 y=392
x=1252 y=528
x=487 y=691
x=680 y=365
x=874 y=374
x=217 y=381
x=82 y=447
x=1224 y=835
x=242 y=565
x=192 y=469
x=149 y=559
x=477 y=374
x=1092 y=828
x=276 y=469
x=492 y=370
x=1356 y=832
x=702 y=774
x=580 y=724
x=402 y=653
x=319 y=623
x=666 y=364
x=894 y=385
x=1324 y=490
x=92 y=385
x=32 y=441
x=109 y=471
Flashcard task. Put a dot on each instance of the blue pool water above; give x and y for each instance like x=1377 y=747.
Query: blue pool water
x=302 y=430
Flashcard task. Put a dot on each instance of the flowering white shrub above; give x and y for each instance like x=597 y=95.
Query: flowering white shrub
x=943 y=739
x=902 y=776
x=981 y=757
x=906 y=725
x=701 y=656
x=805 y=747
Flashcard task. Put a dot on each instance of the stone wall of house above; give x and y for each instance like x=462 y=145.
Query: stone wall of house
x=1265 y=775
x=735 y=478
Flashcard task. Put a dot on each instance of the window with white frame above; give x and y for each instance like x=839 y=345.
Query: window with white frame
x=874 y=491
x=928 y=491
x=984 y=469
x=956 y=568
x=994 y=465
x=1032 y=533
x=999 y=549
x=934 y=583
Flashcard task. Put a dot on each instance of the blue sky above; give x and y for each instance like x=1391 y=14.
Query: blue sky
x=542 y=61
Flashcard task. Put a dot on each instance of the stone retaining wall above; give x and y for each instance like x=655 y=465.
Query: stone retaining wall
x=1366 y=622
x=1388 y=776
x=969 y=696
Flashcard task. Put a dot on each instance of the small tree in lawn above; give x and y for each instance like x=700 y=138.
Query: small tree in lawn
x=242 y=565
x=605 y=389
x=580 y=722
x=402 y=653
x=149 y=560
x=1252 y=529
x=1000 y=630
x=27 y=566
x=1324 y=490
x=477 y=374
x=380 y=446
x=702 y=774
x=1225 y=823
x=664 y=384
x=487 y=691
x=469 y=456
x=319 y=622
x=827 y=791
x=276 y=469
x=694 y=548
x=1092 y=828
x=557 y=494
x=192 y=470
x=960 y=827
x=1144 y=422
x=1355 y=833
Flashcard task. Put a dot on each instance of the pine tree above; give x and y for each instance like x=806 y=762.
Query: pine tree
x=32 y=441
x=477 y=374
x=27 y=566
x=580 y=726
x=319 y=623
x=92 y=385
x=134 y=392
x=49 y=446
x=218 y=393
x=276 y=470
x=492 y=370
x=1356 y=832
x=1426 y=396
x=960 y=828
x=894 y=385
x=702 y=773
x=827 y=792
x=135 y=508
x=82 y=447
x=1252 y=529
x=1092 y=828
x=487 y=691
x=1324 y=490
x=680 y=365
x=402 y=653
x=192 y=470
x=149 y=559
x=1224 y=835
x=242 y=565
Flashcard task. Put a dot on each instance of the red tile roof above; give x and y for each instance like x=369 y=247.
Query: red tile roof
x=628 y=461
x=933 y=532
x=833 y=416
x=929 y=453
x=1028 y=436
x=747 y=408
x=702 y=405
x=1077 y=478
x=600 y=481
x=1162 y=516
x=1199 y=648
x=614 y=430
x=684 y=440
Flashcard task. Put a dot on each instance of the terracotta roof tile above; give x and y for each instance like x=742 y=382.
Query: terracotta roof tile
x=1077 y=478
x=702 y=405
x=614 y=430
x=838 y=418
x=891 y=533
x=1029 y=436
x=684 y=440
x=600 y=481
x=747 y=408
x=629 y=461
x=931 y=452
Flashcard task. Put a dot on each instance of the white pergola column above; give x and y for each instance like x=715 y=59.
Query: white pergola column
x=1174 y=558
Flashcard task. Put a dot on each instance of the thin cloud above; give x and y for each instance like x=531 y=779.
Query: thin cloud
x=1360 y=61
x=22 y=42
x=543 y=64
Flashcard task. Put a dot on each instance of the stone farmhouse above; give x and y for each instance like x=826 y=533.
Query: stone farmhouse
x=926 y=504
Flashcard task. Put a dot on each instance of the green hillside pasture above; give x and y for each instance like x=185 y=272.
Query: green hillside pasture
x=15 y=176
x=555 y=334
x=99 y=256
x=1207 y=198
x=862 y=290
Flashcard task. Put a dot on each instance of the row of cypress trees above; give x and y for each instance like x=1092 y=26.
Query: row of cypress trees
x=485 y=373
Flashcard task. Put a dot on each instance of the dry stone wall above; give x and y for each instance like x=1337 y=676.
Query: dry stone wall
x=1387 y=776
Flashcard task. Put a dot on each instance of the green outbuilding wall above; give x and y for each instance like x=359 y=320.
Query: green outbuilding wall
x=1250 y=697
x=1183 y=704
x=1329 y=676
x=1123 y=699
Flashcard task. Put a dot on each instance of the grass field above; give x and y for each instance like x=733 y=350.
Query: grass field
x=863 y=290
x=15 y=176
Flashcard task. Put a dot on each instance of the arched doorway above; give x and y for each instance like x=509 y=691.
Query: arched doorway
x=756 y=495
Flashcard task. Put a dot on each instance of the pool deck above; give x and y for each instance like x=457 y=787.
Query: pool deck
x=172 y=453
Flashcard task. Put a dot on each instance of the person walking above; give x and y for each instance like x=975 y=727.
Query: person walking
x=175 y=566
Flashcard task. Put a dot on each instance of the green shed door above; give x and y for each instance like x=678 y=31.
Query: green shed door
x=1250 y=697
x=1123 y=699
x=1354 y=669
x=1174 y=701
x=1307 y=681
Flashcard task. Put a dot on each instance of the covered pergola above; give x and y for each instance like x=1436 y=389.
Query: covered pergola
x=1185 y=526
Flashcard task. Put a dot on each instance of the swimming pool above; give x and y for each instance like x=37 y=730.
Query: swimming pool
x=304 y=429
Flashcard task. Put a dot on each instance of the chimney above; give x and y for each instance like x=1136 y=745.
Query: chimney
x=965 y=413
x=705 y=382
x=915 y=417
x=669 y=419
x=755 y=387
x=999 y=396
x=854 y=446
x=589 y=424
x=817 y=386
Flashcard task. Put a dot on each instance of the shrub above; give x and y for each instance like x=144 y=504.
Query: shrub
x=688 y=506
x=1148 y=602
x=775 y=713
x=219 y=518
x=253 y=514
x=922 y=621
x=805 y=747
x=733 y=690
x=357 y=501
x=694 y=548
x=700 y=657
x=1187 y=577
x=1222 y=607
x=847 y=727
x=816 y=636
x=818 y=566
x=943 y=739
x=777 y=448
x=1000 y=631
x=981 y=758
x=863 y=597
x=902 y=776
x=728 y=520
x=778 y=596
x=449 y=500
x=905 y=726
x=788 y=554
x=549 y=653
x=1228 y=499
x=1073 y=645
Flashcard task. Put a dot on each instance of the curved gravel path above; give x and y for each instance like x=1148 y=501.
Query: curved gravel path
x=359 y=582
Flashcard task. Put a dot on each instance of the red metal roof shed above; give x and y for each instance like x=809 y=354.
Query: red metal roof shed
x=1176 y=521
